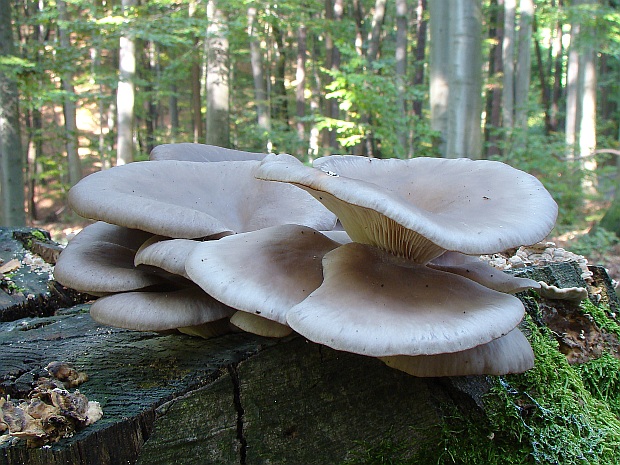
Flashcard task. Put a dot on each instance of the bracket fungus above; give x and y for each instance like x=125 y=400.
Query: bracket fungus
x=400 y=280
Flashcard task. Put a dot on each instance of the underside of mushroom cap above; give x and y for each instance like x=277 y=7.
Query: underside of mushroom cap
x=511 y=353
x=475 y=269
x=373 y=303
x=396 y=205
x=200 y=152
x=181 y=199
x=168 y=254
x=100 y=260
x=264 y=272
x=252 y=323
x=158 y=311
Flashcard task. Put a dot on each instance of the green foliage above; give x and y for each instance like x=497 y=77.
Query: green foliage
x=597 y=241
x=601 y=317
x=602 y=378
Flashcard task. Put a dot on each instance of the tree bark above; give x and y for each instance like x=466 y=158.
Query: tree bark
x=374 y=41
x=440 y=68
x=494 y=95
x=256 y=60
x=196 y=77
x=11 y=155
x=280 y=100
x=420 y=53
x=464 y=101
x=334 y=10
x=401 y=72
x=524 y=63
x=572 y=91
x=125 y=95
x=218 y=85
x=300 y=90
x=74 y=164
x=544 y=85
x=508 y=45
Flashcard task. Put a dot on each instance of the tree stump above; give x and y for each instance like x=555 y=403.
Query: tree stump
x=244 y=399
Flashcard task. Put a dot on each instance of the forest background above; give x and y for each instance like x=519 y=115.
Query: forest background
x=89 y=84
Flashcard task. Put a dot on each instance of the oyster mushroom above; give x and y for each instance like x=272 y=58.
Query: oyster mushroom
x=511 y=353
x=100 y=260
x=200 y=153
x=263 y=272
x=373 y=303
x=181 y=199
x=397 y=206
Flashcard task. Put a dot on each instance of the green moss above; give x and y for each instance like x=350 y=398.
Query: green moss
x=600 y=316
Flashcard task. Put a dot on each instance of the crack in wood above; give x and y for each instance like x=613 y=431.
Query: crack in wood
x=243 y=443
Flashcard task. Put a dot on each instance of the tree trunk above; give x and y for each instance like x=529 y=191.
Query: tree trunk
x=196 y=75
x=558 y=71
x=300 y=78
x=218 y=85
x=508 y=45
x=280 y=100
x=587 y=94
x=11 y=156
x=401 y=72
x=69 y=111
x=173 y=102
x=464 y=101
x=420 y=53
x=524 y=63
x=125 y=94
x=333 y=12
x=374 y=42
x=544 y=85
x=256 y=60
x=572 y=91
x=440 y=68
x=494 y=98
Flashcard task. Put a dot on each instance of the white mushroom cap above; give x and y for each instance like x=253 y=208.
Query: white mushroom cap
x=181 y=199
x=158 y=311
x=200 y=152
x=572 y=294
x=480 y=207
x=264 y=272
x=481 y=272
x=252 y=323
x=373 y=303
x=168 y=254
x=100 y=260
x=511 y=353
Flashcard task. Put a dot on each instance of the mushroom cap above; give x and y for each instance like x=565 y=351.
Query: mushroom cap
x=475 y=269
x=252 y=323
x=511 y=353
x=158 y=311
x=373 y=303
x=397 y=205
x=168 y=254
x=181 y=199
x=572 y=294
x=264 y=272
x=100 y=260
x=186 y=151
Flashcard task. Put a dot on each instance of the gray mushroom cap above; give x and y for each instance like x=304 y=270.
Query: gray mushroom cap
x=200 y=153
x=100 y=260
x=159 y=311
x=252 y=323
x=168 y=254
x=181 y=199
x=511 y=353
x=264 y=272
x=373 y=303
x=475 y=269
x=481 y=207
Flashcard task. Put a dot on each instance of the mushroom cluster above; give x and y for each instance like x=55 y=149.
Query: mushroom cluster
x=375 y=257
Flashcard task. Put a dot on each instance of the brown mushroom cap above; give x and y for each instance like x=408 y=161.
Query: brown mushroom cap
x=475 y=269
x=265 y=272
x=200 y=152
x=481 y=207
x=511 y=353
x=181 y=199
x=158 y=311
x=100 y=260
x=373 y=303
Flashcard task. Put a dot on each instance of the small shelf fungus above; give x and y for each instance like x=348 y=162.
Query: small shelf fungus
x=205 y=240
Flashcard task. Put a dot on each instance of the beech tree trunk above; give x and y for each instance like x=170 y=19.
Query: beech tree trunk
x=508 y=45
x=494 y=99
x=125 y=94
x=401 y=72
x=464 y=137
x=420 y=52
x=11 y=155
x=256 y=60
x=440 y=68
x=300 y=78
x=334 y=10
x=196 y=85
x=572 y=91
x=74 y=164
x=218 y=85
x=524 y=63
